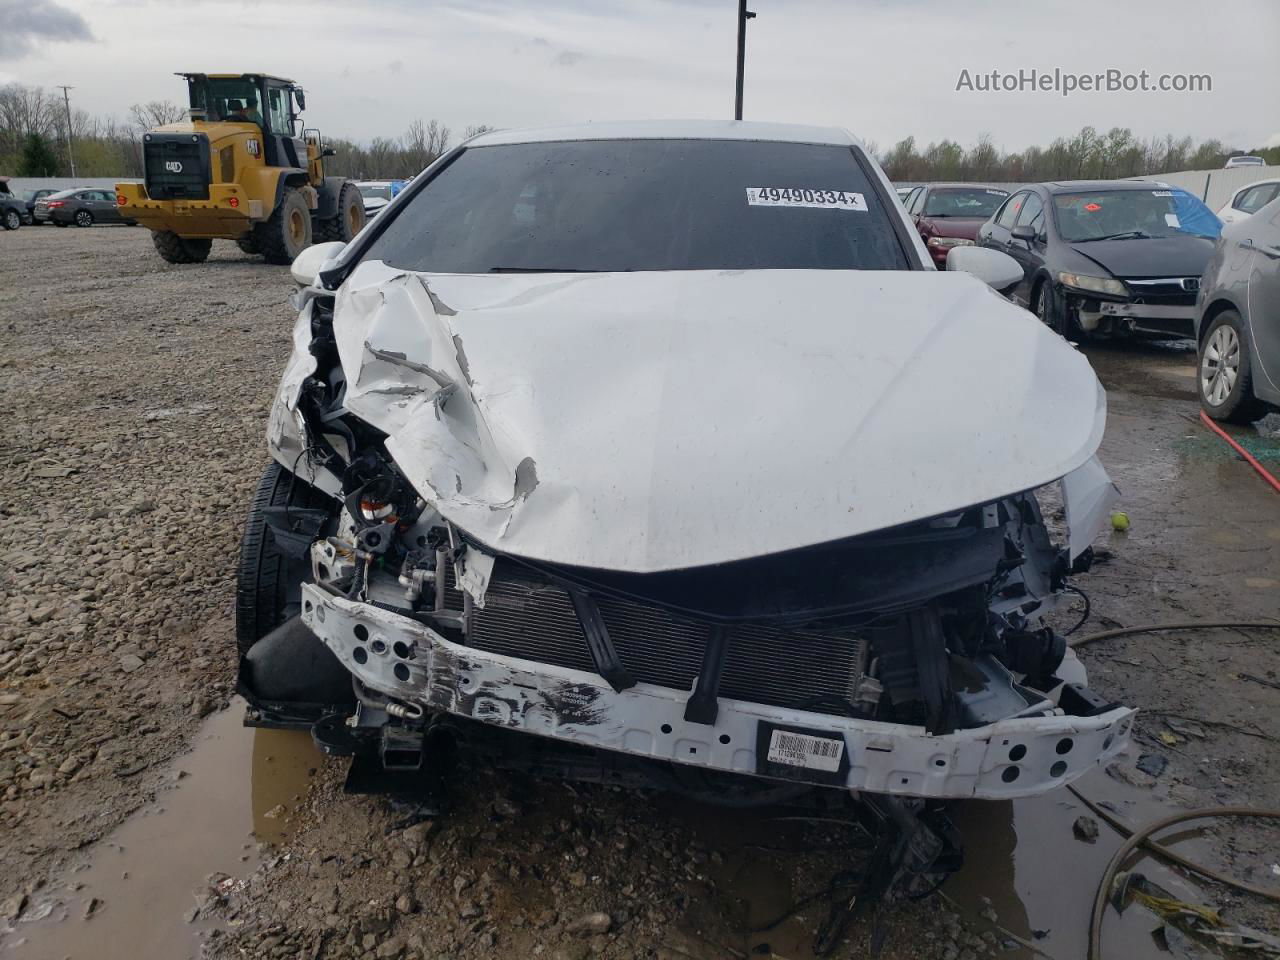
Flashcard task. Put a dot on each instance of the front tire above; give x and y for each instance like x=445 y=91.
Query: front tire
x=12 y=220
x=288 y=231
x=1045 y=305
x=248 y=243
x=349 y=221
x=1224 y=375
x=176 y=249
x=268 y=581
x=84 y=218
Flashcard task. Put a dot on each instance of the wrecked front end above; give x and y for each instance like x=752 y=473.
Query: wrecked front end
x=628 y=579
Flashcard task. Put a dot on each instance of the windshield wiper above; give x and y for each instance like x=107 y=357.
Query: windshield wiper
x=1126 y=235
x=549 y=270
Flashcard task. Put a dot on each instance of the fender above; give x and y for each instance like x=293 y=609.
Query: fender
x=294 y=177
x=329 y=191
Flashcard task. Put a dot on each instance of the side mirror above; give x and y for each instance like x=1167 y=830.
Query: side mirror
x=997 y=270
x=306 y=267
x=1023 y=231
x=300 y=97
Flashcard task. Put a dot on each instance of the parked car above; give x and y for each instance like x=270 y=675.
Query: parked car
x=948 y=215
x=620 y=508
x=11 y=208
x=83 y=206
x=1108 y=257
x=377 y=194
x=1244 y=162
x=1238 y=321
x=902 y=193
x=30 y=197
x=1249 y=200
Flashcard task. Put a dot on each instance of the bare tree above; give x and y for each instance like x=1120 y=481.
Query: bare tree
x=155 y=113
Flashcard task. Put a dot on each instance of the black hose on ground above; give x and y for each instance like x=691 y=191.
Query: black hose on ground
x=1140 y=837
x=1189 y=625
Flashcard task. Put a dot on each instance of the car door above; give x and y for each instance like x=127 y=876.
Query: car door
x=104 y=207
x=1264 y=300
x=1029 y=253
x=998 y=237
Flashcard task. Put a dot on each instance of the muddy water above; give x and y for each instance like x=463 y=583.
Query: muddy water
x=1022 y=858
x=234 y=790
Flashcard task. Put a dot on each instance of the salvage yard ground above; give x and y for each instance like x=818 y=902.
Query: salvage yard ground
x=135 y=397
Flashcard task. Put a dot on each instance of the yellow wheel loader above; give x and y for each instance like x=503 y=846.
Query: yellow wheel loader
x=242 y=168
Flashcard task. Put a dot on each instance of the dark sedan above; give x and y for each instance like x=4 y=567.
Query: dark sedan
x=1239 y=321
x=30 y=197
x=948 y=215
x=1108 y=257
x=83 y=206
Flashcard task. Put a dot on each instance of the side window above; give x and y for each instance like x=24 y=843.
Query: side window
x=917 y=200
x=277 y=111
x=1032 y=214
x=1009 y=212
x=1255 y=198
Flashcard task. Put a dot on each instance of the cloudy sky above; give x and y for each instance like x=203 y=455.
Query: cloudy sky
x=883 y=68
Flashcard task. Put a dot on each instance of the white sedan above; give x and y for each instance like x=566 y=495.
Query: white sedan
x=1248 y=200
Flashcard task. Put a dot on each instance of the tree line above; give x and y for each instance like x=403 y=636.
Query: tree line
x=1089 y=155
x=33 y=143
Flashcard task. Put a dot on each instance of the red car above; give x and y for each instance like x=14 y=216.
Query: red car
x=949 y=214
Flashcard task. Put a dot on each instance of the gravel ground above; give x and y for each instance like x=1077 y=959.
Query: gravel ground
x=138 y=394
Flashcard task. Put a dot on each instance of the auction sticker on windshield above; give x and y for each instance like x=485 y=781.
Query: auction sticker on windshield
x=805 y=197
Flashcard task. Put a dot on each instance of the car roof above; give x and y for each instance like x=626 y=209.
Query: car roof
x=967 y=185
x=673 y=130
x=1079 y=186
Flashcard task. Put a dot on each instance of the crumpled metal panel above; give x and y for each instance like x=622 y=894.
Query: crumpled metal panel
x=659 y=421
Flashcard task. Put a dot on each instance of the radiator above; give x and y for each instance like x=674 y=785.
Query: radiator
x=534 y=620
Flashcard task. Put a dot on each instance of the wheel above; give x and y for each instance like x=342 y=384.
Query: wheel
x=268 y=582
x=1044 y=304
x=84 y=218
x=248 y=243
x=176 y=249
x=349 y=221
x=1225 y=378
x=12 y=220
x=288 y=232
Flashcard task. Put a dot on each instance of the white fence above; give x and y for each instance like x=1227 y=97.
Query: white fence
x=21 y=184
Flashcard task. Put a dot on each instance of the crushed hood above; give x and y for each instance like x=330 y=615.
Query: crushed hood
x=659 y=421
x=1184 y=256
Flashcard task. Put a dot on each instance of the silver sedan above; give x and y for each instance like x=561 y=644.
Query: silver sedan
x=1239 y=321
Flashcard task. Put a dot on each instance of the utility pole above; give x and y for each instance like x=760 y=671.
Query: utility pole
x=743 y=16
x=66 y=99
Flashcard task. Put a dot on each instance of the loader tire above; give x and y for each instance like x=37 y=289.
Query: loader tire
x=288 y=231
x=176 y=249
x=349 y=221
x=268 y=581
x=249 y=243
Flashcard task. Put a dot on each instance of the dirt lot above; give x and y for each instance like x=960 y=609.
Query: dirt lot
x=136 y=395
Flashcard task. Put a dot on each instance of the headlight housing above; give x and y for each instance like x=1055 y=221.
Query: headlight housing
x=946 y=243
x=1094 y=284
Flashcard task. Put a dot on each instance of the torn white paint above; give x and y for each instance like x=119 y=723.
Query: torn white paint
x=656 y=421
x=1088 y=494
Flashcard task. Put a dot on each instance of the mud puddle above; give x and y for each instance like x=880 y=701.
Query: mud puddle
x=137 y=891
x=1023 y=861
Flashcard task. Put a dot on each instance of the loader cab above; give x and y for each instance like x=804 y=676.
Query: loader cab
x=270 y=103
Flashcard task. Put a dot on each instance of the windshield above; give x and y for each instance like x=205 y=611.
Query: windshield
x=619 y=205
x=978 y=202
x=1137 y=214
x=227 y=98
x=375 y=191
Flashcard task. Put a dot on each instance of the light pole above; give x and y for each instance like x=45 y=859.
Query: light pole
x=66 y=100
x=743 y=16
